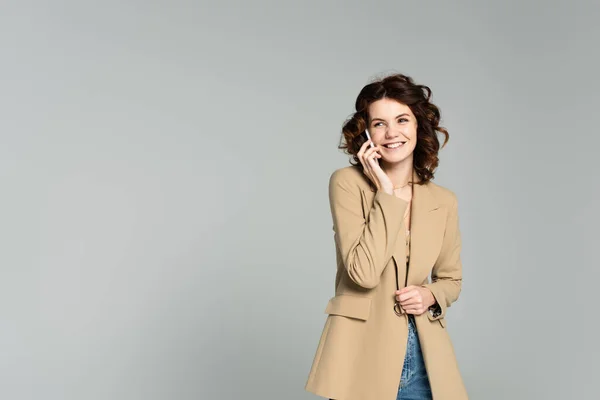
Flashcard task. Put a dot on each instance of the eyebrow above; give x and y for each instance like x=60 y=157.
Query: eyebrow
x=398 y=116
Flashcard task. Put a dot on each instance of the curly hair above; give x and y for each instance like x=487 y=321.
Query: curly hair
x=401 y=88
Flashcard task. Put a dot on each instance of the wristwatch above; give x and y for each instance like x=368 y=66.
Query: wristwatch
x=435 y=310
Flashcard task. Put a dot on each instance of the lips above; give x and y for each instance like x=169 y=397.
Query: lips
x=394 y=145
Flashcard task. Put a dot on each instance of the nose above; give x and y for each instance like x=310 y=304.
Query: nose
x=390 y=134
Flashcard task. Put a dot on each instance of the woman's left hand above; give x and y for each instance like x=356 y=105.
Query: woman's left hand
x=415 y=299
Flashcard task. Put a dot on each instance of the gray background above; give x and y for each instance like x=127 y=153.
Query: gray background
x=165 y=226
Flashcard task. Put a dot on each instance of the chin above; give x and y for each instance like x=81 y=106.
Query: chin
x=394 y=160
x=397 y=156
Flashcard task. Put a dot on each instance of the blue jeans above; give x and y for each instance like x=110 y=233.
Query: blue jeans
x=414 y=383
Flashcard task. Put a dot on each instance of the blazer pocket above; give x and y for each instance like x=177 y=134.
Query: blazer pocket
x=349 y=306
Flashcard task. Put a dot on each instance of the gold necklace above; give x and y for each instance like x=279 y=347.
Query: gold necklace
x=400 y=187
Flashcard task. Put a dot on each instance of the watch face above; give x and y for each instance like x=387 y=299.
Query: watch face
x=435 y=310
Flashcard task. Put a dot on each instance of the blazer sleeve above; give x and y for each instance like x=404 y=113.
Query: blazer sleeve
x=446 y=275
x=365 y=244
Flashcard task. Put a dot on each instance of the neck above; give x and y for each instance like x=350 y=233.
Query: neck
x=400 y=173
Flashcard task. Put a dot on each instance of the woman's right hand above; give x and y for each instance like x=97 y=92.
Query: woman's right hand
x=368 y=157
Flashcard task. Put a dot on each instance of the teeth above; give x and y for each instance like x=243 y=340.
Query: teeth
x=393 y=145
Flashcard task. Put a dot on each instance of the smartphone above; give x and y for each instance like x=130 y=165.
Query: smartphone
x=370 y=144
x=369 y=137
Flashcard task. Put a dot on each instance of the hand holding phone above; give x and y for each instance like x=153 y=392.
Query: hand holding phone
x=369 y=138
x=371 y=168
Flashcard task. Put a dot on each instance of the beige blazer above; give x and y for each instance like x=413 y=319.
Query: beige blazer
x=361 y=350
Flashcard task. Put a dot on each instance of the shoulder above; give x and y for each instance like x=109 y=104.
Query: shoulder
x=443 y=195
x=350 y=178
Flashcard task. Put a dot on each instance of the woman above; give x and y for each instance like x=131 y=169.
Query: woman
x=385 y=335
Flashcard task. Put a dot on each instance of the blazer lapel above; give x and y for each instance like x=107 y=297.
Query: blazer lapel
x=427 y=233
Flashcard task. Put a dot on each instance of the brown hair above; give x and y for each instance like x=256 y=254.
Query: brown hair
x=417 y=97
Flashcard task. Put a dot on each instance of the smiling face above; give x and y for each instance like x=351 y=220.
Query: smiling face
x=393 y=127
